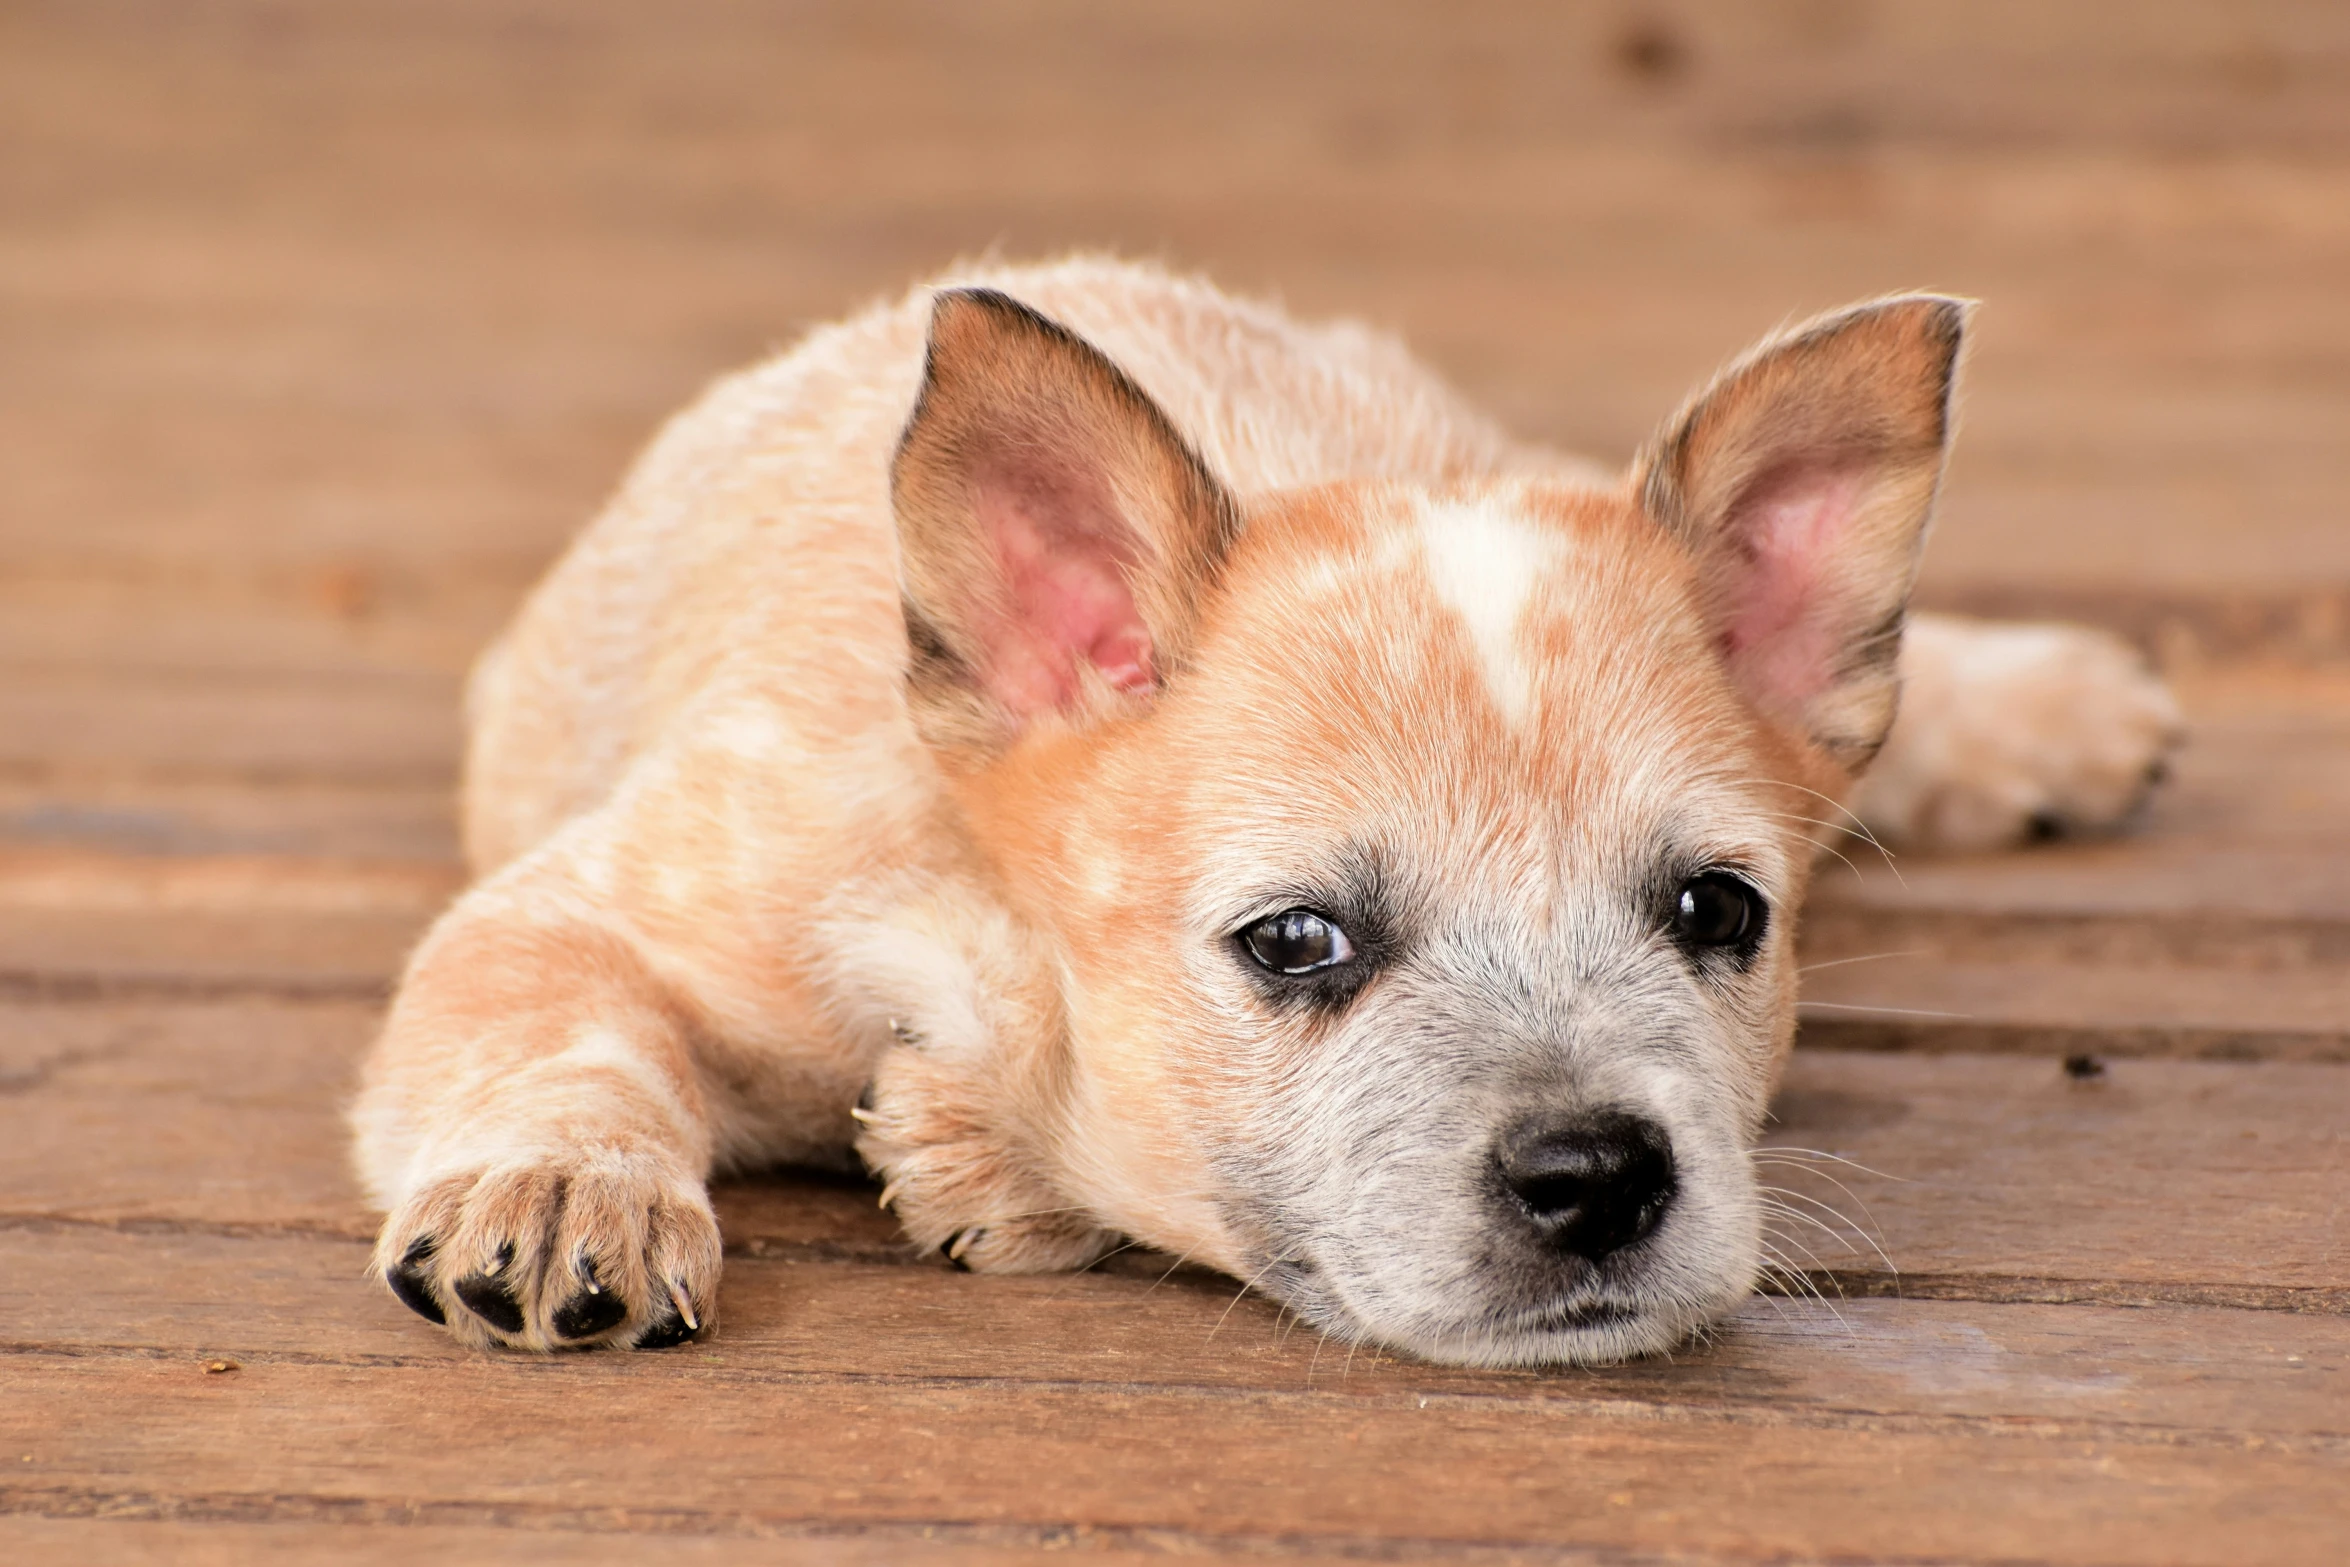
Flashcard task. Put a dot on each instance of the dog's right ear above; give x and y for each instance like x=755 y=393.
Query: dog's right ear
x=1055 y=532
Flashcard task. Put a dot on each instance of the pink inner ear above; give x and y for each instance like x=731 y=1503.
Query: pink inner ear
x=1778 y=630
x=1067 y=599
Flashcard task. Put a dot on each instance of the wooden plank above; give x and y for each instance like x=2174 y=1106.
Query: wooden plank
x=530 y=284
x=227 y=1115
x=187 y=817
x=184 y=1542
x=652 y=1441
x=234 y=619
x=94 y=923
x=121 y=1112
x=193 y=1295
x=2220 y=927
x=387 y=732
x=2309 y=623
x=2065 y=480
x=2052 y=1009
x=2004 y=1177
x=2001 y=1177
x=2257 y=78
x=2250 y=828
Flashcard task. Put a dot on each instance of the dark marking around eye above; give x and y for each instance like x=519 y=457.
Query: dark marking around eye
x=1332 y=933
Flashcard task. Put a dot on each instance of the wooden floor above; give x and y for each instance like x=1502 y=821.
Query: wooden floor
x=321 y=326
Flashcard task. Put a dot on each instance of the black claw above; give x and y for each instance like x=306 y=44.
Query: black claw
x=589 y=1313
x=955 y=1245
x=408 y=1282
x=2044 y=827
x=487 y=1297
x=667 y=1333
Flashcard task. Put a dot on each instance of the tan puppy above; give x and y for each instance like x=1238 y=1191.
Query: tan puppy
x=1145 y=767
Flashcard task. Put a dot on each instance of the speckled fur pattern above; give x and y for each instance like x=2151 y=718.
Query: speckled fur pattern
x=1212 y=614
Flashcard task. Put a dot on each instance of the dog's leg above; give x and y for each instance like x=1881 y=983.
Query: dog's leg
x=2013 y=732
x=535 y=1121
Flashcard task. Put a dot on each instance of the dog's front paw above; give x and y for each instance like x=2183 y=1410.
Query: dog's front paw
x=2010 y=733
x=958 y=1182
x=578 y=1249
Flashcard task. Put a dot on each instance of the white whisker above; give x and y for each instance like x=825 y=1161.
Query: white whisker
x=1866 y=957
x=1792 y=1153
x=1170 y=1273
x=1270 y=1265
x=1866 y=1212
x=1781 y=1208
x=1854 y=1006
x=1859 y=829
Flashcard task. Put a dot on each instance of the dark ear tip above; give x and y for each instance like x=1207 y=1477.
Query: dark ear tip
x=997 y=308
x=1948 y=316
x=948 y=301
x=1942 y=317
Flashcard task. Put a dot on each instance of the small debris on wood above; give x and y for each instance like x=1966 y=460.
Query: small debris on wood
x=1651 y=51
x=2084 y=1067
x=214 y=1368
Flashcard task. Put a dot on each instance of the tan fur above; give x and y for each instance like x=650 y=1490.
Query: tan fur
x=730 y=881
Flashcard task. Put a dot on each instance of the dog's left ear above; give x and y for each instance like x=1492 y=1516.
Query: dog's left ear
x=1801 y=481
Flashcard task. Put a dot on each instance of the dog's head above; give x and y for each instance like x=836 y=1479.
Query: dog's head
x=1412 y=871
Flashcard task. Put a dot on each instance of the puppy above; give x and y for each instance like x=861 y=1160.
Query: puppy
x=1127 y=764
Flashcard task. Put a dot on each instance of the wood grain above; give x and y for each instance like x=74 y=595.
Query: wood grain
x=303 y=1441
x=80 y=1532
x=320 y=330
x=2053 y=1008
x=2153 y=212
x=2153 y=1370
x=114 y=815
x=1993 y=1176
x=2219 y=927
x=2158 y=1179
x=83 y=922
x=258 y=732
x=78 y=1535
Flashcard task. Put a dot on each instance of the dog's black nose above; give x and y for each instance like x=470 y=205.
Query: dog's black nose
x=1594 y=1183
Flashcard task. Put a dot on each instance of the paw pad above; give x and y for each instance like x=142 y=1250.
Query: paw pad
x=489 y=1295
x=591 y=1312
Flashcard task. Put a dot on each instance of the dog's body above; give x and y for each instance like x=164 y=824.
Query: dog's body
x=1000 y=782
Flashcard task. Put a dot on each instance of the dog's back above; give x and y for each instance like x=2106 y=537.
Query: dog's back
x=760 y=519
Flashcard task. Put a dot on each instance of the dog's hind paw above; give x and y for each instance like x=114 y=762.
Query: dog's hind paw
x=2012 y=733
x=597 y=1249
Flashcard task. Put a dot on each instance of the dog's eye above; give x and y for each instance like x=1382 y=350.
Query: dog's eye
x=1716 y=909
x=1297 y=941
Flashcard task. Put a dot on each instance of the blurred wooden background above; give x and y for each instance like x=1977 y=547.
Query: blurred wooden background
x=321 y=327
